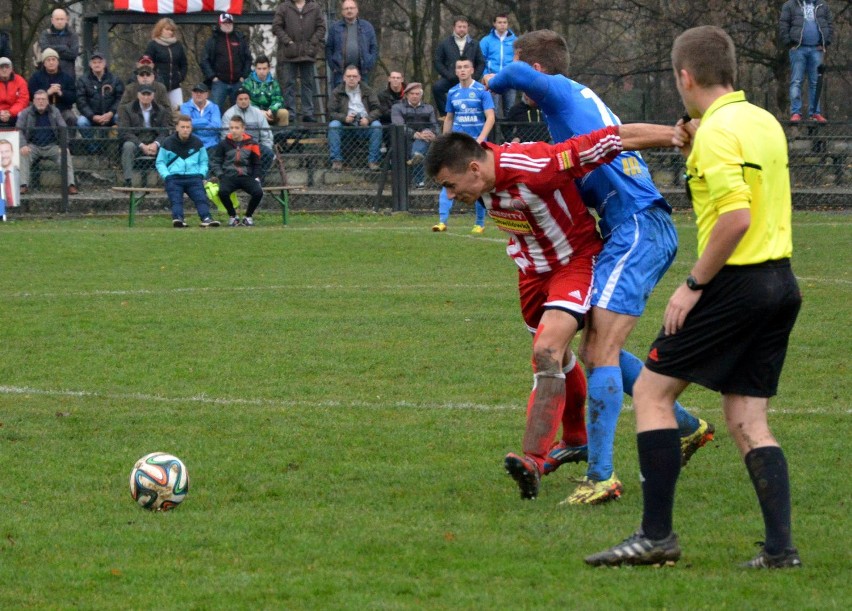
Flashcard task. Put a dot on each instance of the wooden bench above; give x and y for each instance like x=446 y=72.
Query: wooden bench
x=280 y=193
x=137 y=194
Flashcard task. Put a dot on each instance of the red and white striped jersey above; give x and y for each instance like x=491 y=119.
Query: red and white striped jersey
x=536 y=201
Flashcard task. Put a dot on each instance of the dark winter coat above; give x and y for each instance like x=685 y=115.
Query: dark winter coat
x=5 y=45
x=300 y=35
x=231 y=158
x=99 y=96
x=66 y=43
x=169 y=62
x=792 y=21
x=387 y=98
x=132 y=128
x=447 y=54
x=338 y=103
x=226 y=57
x=42 y=80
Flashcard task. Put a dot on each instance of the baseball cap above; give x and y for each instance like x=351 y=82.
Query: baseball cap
x=5 y=61
x=146 y=89
x=97 y=55
x=226 y=18
x=48 y=53
x=200 y=87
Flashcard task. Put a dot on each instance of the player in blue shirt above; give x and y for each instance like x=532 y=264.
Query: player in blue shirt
x=470 y=109
x=640 y=243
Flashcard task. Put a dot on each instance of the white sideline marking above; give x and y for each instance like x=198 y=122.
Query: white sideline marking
x=330 y=403
x=251 y=289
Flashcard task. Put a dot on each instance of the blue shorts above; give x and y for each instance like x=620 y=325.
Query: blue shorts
x=633 y=260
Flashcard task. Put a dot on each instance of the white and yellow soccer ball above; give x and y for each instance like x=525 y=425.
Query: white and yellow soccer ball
x=159 y=481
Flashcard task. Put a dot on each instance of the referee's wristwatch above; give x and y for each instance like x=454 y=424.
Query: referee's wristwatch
x=693 y=285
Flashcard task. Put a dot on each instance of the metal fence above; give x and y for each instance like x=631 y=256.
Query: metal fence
x=378 y=160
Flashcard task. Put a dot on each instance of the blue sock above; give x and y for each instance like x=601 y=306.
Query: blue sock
x=445 y=204
x=630 y=368
x=606 y=394
x=480 y=213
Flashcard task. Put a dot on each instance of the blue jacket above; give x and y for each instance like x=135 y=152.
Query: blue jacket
x=335 y=45
x=206 y=123
x=498 y=53
x=178 y=157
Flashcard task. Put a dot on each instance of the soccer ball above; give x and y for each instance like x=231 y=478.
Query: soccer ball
x=159 y=481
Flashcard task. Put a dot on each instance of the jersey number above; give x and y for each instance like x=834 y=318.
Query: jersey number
x=605 y=114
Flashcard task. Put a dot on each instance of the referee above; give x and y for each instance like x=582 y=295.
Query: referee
x=727 y=326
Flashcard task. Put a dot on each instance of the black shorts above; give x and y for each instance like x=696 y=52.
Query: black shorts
x=735 y=338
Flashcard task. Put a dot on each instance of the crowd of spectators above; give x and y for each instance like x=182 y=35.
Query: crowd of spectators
x=142 y=109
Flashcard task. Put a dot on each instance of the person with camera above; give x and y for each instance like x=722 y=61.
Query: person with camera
x=354 y=104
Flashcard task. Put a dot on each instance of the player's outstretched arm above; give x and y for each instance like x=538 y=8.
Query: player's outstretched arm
x=639 y=136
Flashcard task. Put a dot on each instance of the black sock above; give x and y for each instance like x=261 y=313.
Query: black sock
x=768 y=470
x=659 y=462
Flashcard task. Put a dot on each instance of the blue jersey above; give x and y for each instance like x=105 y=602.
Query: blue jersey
x=617 y=190
x=468 y=105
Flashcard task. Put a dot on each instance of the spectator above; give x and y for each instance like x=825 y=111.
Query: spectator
x=354 y=104
x=144 y=75
x=143 y=126
x=390 y=95
x=235 y=163
x=265 y=93
x=206 y=117
x=182 y=163
x=169 y=57
x=299 y=26
x=98 y=97
x=256 y=126
x=60 y=86
x=5 y=44
x=61 y=39
x=10 y=178
x=498 y=49
x=14 y=94
x=525 y=123
x=39 y=126
x=351 y=42
x=457 y=46
x=226 y=61
x=144 y=61
x=421 y=126
x=806 y=29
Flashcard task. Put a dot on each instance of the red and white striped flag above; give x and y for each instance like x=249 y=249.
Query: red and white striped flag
x=167 y=7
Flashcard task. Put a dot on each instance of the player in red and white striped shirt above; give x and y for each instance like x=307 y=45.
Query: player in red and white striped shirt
x=529 y=191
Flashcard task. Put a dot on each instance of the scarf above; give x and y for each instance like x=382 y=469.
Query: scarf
x=166 y=41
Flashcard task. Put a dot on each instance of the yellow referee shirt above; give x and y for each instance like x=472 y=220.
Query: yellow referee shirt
x=739 y=160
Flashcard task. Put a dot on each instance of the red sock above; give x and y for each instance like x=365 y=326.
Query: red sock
x=541 y=430
x=574 y=415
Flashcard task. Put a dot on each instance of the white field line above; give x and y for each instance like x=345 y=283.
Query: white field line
x=305 y=287
x=251 y=289
x=330 y=403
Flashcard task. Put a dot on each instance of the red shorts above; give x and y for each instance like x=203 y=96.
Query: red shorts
x=567 y=288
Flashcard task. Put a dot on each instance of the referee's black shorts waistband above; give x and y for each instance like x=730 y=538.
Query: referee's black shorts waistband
x=771 y=264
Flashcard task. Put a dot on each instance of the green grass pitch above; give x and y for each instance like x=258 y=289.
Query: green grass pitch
x=343 y=392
